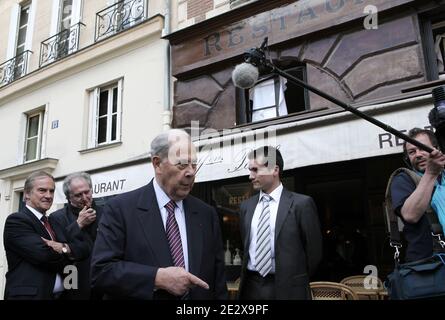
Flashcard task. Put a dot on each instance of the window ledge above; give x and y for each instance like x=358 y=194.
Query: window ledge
x=23 y=170
x=426 y=85
x=284 y=119
x=101 y=147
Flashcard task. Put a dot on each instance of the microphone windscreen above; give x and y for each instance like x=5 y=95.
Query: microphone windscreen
x=245 y=75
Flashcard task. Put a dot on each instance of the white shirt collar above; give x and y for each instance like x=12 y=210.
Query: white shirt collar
x=275 y=194
x=35 y=212
x=162 y=197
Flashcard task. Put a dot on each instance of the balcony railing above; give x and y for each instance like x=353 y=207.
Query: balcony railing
x=118 y=17
x=60 y=45
x=14 y=68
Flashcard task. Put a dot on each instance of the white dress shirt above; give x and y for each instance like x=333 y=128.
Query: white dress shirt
x=273 y=207
x=163 y=199
x=58 y=287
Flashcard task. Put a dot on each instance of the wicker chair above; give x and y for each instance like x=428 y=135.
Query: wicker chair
x=323 y=290
x=357 y=284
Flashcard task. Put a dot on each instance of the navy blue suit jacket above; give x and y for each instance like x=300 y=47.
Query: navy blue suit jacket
x=131 y=245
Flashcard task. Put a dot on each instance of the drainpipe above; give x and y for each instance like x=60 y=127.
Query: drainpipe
x=167 y=114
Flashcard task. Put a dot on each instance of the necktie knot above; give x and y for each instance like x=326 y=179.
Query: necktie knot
x=48 y=227
x=170 y=206
x=266 y=197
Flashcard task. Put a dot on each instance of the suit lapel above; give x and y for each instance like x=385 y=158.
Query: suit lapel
x=283 y=210
x=250 y=210
x=153 y=227
x=37 y=223
x=194 y=236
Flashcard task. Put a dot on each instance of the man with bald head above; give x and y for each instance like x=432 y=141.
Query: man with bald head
x=159 y=242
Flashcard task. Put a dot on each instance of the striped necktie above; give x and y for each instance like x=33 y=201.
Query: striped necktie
x=173 y=236
x=263 y=255
x=48 y=227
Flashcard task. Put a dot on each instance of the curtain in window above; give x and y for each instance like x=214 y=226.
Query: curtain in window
x=264 y=100
x=439 y=48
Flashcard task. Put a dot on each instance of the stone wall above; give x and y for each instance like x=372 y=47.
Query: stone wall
x=353 y=66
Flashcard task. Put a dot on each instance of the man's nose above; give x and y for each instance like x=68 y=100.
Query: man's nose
x=190 y=171
x=419 y=153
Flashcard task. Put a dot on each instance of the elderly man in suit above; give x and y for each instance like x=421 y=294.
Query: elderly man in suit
x=79 y=217
x=159 y=242
x=36 y=249
x=280 y=232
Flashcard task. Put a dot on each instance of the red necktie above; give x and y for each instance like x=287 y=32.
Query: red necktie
x=173 y=236
x=48 y=228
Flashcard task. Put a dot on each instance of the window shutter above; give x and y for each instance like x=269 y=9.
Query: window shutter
x=30 y=29
x=120 y=88
x=92 y=132
x=76 y=16
x=55 y=14
x=44 y=132
x=13 y=26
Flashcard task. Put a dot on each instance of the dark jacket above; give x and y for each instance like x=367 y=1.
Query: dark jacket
x=132 y=244
x=67 y=218
x=32 y=265
x=298 y=243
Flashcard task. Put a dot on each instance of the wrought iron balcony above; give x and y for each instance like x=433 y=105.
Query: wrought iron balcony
x=118 y=17
x=60 y=45
x=14 y=68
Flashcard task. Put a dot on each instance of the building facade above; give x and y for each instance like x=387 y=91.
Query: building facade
x=83 y=87
x=382 y=58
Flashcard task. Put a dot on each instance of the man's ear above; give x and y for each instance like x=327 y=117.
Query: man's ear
x=156 y=162
x=276 y=170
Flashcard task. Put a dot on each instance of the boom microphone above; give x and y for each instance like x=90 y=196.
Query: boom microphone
x=246 y=74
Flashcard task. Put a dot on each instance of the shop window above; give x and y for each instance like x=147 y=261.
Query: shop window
x=274 y=96
x=33 y=136
x=105 y=115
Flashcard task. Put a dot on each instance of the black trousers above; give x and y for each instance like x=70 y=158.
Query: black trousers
x=257 y=287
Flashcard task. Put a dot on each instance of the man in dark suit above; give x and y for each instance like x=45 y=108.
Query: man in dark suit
x=280 y=232
x=79 y=218
x=158 y=242
x=36 y=250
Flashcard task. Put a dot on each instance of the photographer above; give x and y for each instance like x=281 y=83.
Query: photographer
x=410 y=201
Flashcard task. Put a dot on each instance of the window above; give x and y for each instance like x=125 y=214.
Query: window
x=274 y=96
x=105 y=117
x=439 y=45
x=33 y=136
x=433 y=38
x=22 y=30
x=65 y=14
x=20 y=63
